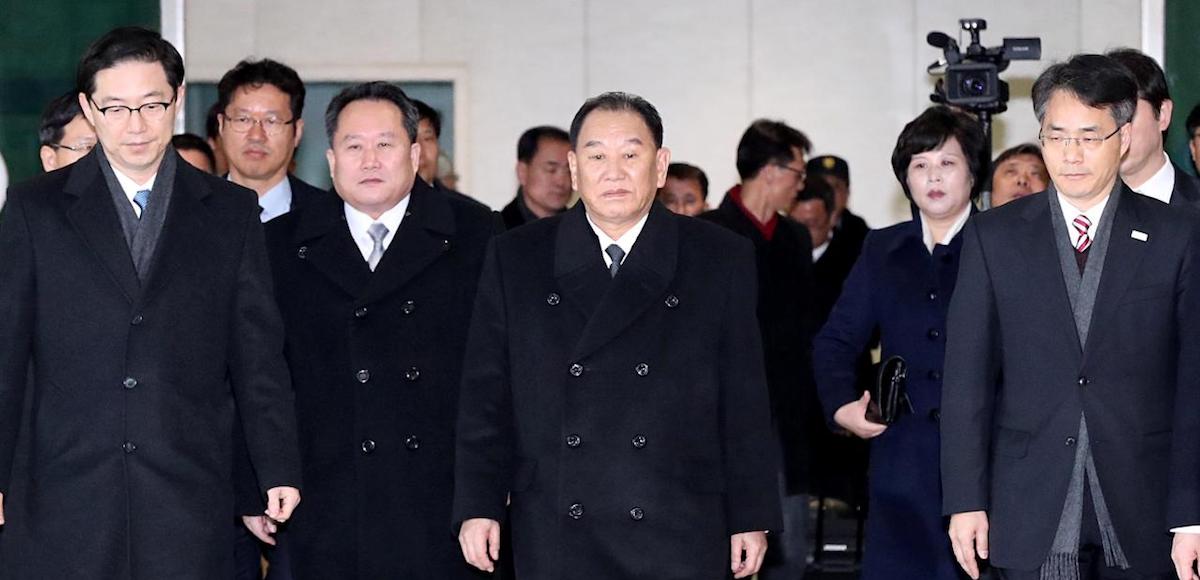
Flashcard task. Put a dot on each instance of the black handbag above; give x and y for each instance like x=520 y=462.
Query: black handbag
x=889 y=398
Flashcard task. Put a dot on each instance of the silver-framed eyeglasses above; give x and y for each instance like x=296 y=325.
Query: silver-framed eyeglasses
x=1061 y=141
x=244 y=123
x=83 y=148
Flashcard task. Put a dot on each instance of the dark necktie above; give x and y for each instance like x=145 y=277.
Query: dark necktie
x=617 y=254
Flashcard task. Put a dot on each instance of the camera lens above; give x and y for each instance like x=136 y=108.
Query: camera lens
x=974 y=86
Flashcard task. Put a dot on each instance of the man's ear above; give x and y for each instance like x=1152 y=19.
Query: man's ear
x=49 y=158
x=573 y=165
x=523 y=172
x=1164 y=114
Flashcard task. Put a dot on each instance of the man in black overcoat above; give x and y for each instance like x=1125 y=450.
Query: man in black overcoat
x=1070 y=440
x=136 y=291
x=375 y=338
x=614 y=386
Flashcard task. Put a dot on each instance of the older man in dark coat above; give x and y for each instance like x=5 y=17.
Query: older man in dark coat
x=136 y=289
x=614 y=381
x=375 y=339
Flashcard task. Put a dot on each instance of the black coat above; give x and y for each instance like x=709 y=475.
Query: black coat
x=1187 y=189
x=134 y=385
x=512 y=214
x=376 y=360
x=1017 y=380
x=304 y=193
x=785 y=304
x=627 y=416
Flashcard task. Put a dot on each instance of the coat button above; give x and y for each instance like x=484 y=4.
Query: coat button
x=302 y=253
x=445 y=245
x=935 y=375
x=638 y=441
x=575 y=511
x=360 y=312
x=363 y=376
x=408 y=307
x=1084 y=381
x=412 y=442
x=935 y=415
x=576 y=370
x=129 y=447
x=1070 y=442
x=553 y=299
x=672 y=301
x=933 y=294
x=136 y=320
x=129 y=382
x=642 y=369
x=934 y=334
x=412 y=374
x=367 y=446
x=573 y=441
x=636 y=514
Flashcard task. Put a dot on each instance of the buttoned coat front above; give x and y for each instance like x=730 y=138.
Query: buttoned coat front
x=627 y=415
x=376 y=359
x=129 y=471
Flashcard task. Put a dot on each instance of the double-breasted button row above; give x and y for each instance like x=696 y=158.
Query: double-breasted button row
x=363 y=376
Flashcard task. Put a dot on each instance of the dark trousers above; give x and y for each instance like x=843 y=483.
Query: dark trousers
x=1091 y=554
x=249 y=552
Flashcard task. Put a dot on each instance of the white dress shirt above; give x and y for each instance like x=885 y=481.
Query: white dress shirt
x=276 y=201
x=130 y=187
x=820 y=250
x=359 y=222
x=1161 y=184
x=1093 y=214
x=625 y=242
x=927 y=234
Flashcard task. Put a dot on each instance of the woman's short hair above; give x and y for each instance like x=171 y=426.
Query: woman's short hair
x=929 y=131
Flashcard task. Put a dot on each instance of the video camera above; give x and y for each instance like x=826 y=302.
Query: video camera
x=972 y=79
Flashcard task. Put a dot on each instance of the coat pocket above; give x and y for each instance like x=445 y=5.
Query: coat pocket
x=1160 y=291
x=1011 y=442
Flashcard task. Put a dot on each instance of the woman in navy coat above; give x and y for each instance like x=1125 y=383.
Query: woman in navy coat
x=901 y=286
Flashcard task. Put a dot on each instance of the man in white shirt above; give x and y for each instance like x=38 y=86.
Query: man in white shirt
x=1146 y=168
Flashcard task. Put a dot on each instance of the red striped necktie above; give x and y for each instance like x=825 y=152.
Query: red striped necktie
x=1082 y=225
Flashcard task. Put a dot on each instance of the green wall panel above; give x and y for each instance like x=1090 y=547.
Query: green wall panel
x=1183 y=73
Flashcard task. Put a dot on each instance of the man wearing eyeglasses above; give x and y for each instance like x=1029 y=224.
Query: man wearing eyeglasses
x=136 y=289
x=1070 y=440
x=65 y=134
x=261 y=103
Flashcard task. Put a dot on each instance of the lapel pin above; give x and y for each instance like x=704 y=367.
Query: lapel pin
x=1139 y=236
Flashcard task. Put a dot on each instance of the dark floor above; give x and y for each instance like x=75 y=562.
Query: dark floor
x=836 y=558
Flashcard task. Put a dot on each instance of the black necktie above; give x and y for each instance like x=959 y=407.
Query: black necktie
x=617 y=254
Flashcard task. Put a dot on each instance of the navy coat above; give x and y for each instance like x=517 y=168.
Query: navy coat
x=627 y=416
x=898 y=289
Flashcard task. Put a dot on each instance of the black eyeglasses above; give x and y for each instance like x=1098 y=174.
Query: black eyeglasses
x=122 y=113
x=244 y=123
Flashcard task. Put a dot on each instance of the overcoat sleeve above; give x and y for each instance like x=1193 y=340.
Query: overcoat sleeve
x=751 y=460
x=840 y=343
x=257 y=368
x=17 y=307
x=1183 y=491
x=972 y=368
x=483 y=459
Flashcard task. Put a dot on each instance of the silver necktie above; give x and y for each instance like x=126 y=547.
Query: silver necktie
x=377 y=231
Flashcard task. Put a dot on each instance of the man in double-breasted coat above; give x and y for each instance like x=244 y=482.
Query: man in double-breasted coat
x=135 y=291
x=614 y=381
x=375 y=345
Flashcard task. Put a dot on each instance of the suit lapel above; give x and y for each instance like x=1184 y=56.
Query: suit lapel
x=578 y=265
x=323 y=239
x=1040 y=250
x=642 y=280
x=96 y=220
x=424 y=236
x=1187 y=190
x=1120 y=264
x=186 y=225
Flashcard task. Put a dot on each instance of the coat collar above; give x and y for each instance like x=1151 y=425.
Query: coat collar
x=94 y=217
x=643 y=278
x=425 y=234
x=1121 y=264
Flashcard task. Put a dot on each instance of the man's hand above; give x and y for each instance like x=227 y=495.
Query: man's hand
x=746 y=551
x=480 y=542
x=280 y=503
x=969 y=536
x=1185 y=552
x=853 y=418
x=262 y=527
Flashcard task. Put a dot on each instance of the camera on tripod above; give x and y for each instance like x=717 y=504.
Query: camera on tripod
x=972 y=78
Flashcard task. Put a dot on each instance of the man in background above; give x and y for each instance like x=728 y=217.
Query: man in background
x=686 y=190
x=195 y=150
x=65 y=134
x=1017 y=172
x=836 y=172
x=545 y=181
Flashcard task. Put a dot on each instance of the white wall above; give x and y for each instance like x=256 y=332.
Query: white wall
x=848 y=73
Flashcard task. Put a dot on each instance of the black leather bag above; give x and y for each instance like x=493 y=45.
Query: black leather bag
x=889 y=399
